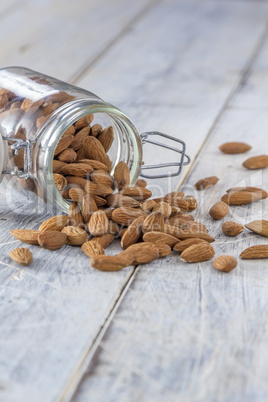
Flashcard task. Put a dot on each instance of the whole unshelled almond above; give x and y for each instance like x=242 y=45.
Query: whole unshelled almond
x=230 y=228
x=75 y=215
x=54 y=223
x=22 y=256
x=97 y=165
x=206 y=183
x=256 y=162
x=160 y=237
x=219 y=210
x=26 y=235
x=154 y=223
x=234 y=148
x=133 y=233
x=262 y=192
x=80 y=137
x=100 y=201
x=89 y=206
x=98 y=223
x=121 y=175
x=60 y=181
x=96 y=129
x=76 y=182
x=225 y=263
x=198 y=253
x=187 y=234
x=106 y=138
x=63 y=143
x=84 y=121
x=102 y=178
x=141 y=183
x=139 y=193
x=191 y=201
x=104 y=240
x=125 y=215
x=75 y=236
x=92 y=248
x=77 y=169
x=193 y=227
x=241 y=197
x=52 y=239
x=148 y=205
x=118 y=200
x=57 y=165
x=76 y=194
x=184 y=244
x=164 y=208
x=111 y=262
x=67 y=156
x=254 y=252
x=259 y=226
x=93 y=149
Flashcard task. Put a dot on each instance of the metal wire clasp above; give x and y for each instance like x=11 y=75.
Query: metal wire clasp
x=17 y=145
x=183 y=161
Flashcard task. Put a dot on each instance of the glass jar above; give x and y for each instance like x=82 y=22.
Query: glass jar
x=35 y=113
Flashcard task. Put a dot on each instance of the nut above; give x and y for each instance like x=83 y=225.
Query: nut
x=22 y=256
x=232 y=228
x=219 y=210
x=198 y=253
x=52 y=239
x=234 y=148
x=225 y=263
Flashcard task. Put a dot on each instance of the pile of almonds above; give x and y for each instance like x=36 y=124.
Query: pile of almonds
x=149 y=228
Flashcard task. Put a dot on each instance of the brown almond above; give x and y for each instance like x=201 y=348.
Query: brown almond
x=225 y=263
x=125 y=215
x=163 y=249
x=60 y=181
x=25 y=235
x=30 y=106
x=93 y=149
x=133 y=233
x=241 y=197
x=96 y=129
x=193 y=227
x=84 y=121
x=92 y=248
x=148 y=205
x=259 y=226
x=104 y=240
x=111 y=262
x=18 y=160
x=57 y=165
x=160 y=237
x=96 y=165
x=98 y=223
x=255 y=252
x=142 y=253
x=106 y=138
x=198 y=253
x=139 y=193
x=76 y=182
x=118 y=200
x=102 y=178
x=206 y=183
x=76 y=194
x=70 y=130
x=100 y=201
x=75 y=236
x=65 y=193
x=184 y=244
x=263 y=193
x=184 y=234
x=230 y=228
x=113 y=228
x=67 y=156
x=191 y=202
x=22 y=256
x=97 y=189
x=234 y=148
x=89 y=206
x=63 y=143
x=52 y=239
x=141 y=183
x=121 y=176
x=80 y=137
x=154 y=223
x=75 y=215
x=219 y=210
x=256 y=162
x=77 y=169
x=54 y=223
x=164 y=208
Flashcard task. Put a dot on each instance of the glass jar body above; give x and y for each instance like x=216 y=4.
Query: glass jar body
x=36 y=111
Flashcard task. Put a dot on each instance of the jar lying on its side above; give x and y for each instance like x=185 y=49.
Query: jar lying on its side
x=44 y=123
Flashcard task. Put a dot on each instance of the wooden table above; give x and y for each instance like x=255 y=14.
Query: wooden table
x=168 y=331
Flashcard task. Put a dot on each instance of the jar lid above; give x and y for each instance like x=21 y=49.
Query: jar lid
x=3 y=155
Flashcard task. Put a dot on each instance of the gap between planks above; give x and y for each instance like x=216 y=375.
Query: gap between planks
x=78 y=374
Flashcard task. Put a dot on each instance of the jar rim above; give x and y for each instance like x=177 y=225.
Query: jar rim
x=3 y=154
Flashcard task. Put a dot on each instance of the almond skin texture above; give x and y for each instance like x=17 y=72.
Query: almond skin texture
x=234 y=148
x=241 y=197
x=148 y=205
x=119 y=200
x=84 y=121
x=75 y=215
x=104 y=240
x=89 y=206
x=60 y=181
x=198 y=253
x=142 y=253
x=206 y=183
x=54 y=223
x=111 y=262
x=67 y=156
x=26 y=236
x=256 y=162
x=132 y=233
x=191 y=201
x=92 y=248
x=139 y=193
x=184 y=234
x=80 y=137
x=141 y=183
x=52 y=239
x=124 y=215
x=93 y=149
x=76 y=194
x=260 y=227
x=98 y=224
x=121 y=175
x=160 y=237
x=219 y=210
x=154 y=223
x=225 y=263
x=255 y=252
x=262 y=192
x=77 y=169
x=22 y=256
x=63 y=143
x=106 y=138
x=97 y=165
x=57 y=165
x=75 y=236
x=164 y=208
x=232 y=228
x=103 y=178
x=184 y=244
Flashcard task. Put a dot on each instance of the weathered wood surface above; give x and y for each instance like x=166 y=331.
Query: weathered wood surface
x=171 y=66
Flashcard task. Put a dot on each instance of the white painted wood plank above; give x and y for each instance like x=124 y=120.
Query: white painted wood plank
x=186 y=332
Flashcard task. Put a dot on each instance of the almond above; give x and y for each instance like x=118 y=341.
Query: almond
x=184 y=244
x=104 y=240
x=198 y=253
x=148 y=205
x=191 y=202
x=77 y=169
x=179 y=219
x=22 y=256
x=70 y=131
x=106 y=138
x=65 y=193
x=119 y=200
x=92 y=248
x=60 y=181
x=154 y=223
x=98 y=189
x=121 y=176
x=142 y=253
x=63 y=143
x=26 y=236
x=139 y=193
x=241 y=197
x=75 y=236
x=256 y=162
x=193 y=227
x=234 y=148
x=80 y=137
x=184 y=234
x=100 y=201
x=113 y=228
x=98 y=224
x=76 y=182
x=52 y=239
x=102 y=178
x=30 y=106
x=206 y=183
x=93 y=149
x=164 y=208
x=163 y=249
x=219 y=210
x=54 y=223
x=259 y=226
x=125 y=215
x=133 y=233
x=89 y=206
x=254 y=252
x=67 y=156
x=75 y=215
x=57 y=165
x=96 y=129
x=263 y=193
x=97 y=165
x=76 y=194
x=230 y=228
x=160 y=237
x=172 y=197
x=225 y=263
x=141 y=183
x=84 y=121
x=111 y=262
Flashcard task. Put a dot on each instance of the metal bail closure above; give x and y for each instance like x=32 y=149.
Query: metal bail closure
x=17 y=145
x=183 y=159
